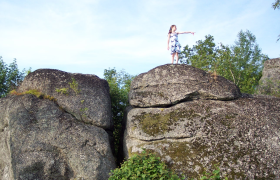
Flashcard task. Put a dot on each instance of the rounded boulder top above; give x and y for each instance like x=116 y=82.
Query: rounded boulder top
x=84 y=96
x=170 y=84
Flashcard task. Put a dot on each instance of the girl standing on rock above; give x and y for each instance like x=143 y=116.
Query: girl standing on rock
x=175 y=45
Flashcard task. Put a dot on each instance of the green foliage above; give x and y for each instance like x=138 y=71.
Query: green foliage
x=119 y=83
x=28 y=71
x=62 y=91
x=34 y=92
x=74 y=86
x=215 y=175
x=10 y=77
x=276 y=5
x=83 y=110
x=143 y=166
x=242 y=63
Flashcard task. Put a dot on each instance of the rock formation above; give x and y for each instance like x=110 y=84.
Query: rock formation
x=270 y=81
x=84 y=96
x=187 y=122
x=170 y=84
x=63 y=139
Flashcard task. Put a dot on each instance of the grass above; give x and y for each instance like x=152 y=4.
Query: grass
x=34 y=92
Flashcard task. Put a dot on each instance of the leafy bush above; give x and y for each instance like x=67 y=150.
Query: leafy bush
x=10 y=77
x=143 y=166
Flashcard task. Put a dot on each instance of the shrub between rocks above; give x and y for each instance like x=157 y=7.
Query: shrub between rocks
x=149 y=167
x=143 y=166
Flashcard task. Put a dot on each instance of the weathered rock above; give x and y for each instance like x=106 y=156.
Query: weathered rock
x=241 y=136
x=89 y=101
x=169 y=84
x=270 y=81
x=39 y=140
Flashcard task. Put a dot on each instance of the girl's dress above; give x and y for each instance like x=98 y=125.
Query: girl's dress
x=175 y=45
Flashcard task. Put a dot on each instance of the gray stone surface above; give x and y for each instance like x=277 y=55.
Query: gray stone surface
x=270 y=80
x=241 y=136
x=91 y=105
x=169 y=84
x=39 y=140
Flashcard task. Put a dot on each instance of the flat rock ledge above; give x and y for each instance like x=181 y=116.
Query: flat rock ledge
x=170 y=84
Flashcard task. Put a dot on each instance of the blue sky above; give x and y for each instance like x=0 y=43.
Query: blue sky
x=88 y=36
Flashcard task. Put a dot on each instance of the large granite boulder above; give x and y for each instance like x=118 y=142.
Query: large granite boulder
x=270 y=80
x=195 y=121
x=40 y=141
x=241 y=136
x=169 y=84
x=84 y=96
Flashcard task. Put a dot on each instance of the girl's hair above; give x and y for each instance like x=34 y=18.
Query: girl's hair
x=170 y=30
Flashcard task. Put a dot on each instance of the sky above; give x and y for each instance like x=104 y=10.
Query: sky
x=88 y=36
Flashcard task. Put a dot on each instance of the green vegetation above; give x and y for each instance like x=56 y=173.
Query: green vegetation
x=62 y=91
x=35 y=92
x=74 y=86
x=83 y=110
x=28 y=71
x=242 y=63
x=143 y=166
x=148 y=166
x=10 y=77
x=215 y=175
x=155 y=124
x=276 y=5
x=119 y=83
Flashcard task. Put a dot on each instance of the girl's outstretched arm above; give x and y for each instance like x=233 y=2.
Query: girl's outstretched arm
x=168 y=39
x=186 y=32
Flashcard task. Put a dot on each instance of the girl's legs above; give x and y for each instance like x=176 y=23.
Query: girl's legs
x=177 y=58
x=172 y=58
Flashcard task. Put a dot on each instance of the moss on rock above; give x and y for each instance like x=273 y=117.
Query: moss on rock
x=154 y=124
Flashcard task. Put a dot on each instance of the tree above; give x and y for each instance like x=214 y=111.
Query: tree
x=241 y=63
x=10 y=77
x=276 y=5
x=119 y=83
x=248 y=61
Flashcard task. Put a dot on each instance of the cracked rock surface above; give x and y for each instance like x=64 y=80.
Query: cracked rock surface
x=241 y=136
x=169 y=84
x=39 y=140
x=89 y=101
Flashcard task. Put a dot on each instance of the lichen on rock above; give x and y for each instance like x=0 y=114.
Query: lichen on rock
x=169 y=84
x=240 y=135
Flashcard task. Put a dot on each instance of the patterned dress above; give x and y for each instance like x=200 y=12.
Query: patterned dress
x=175 y=45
